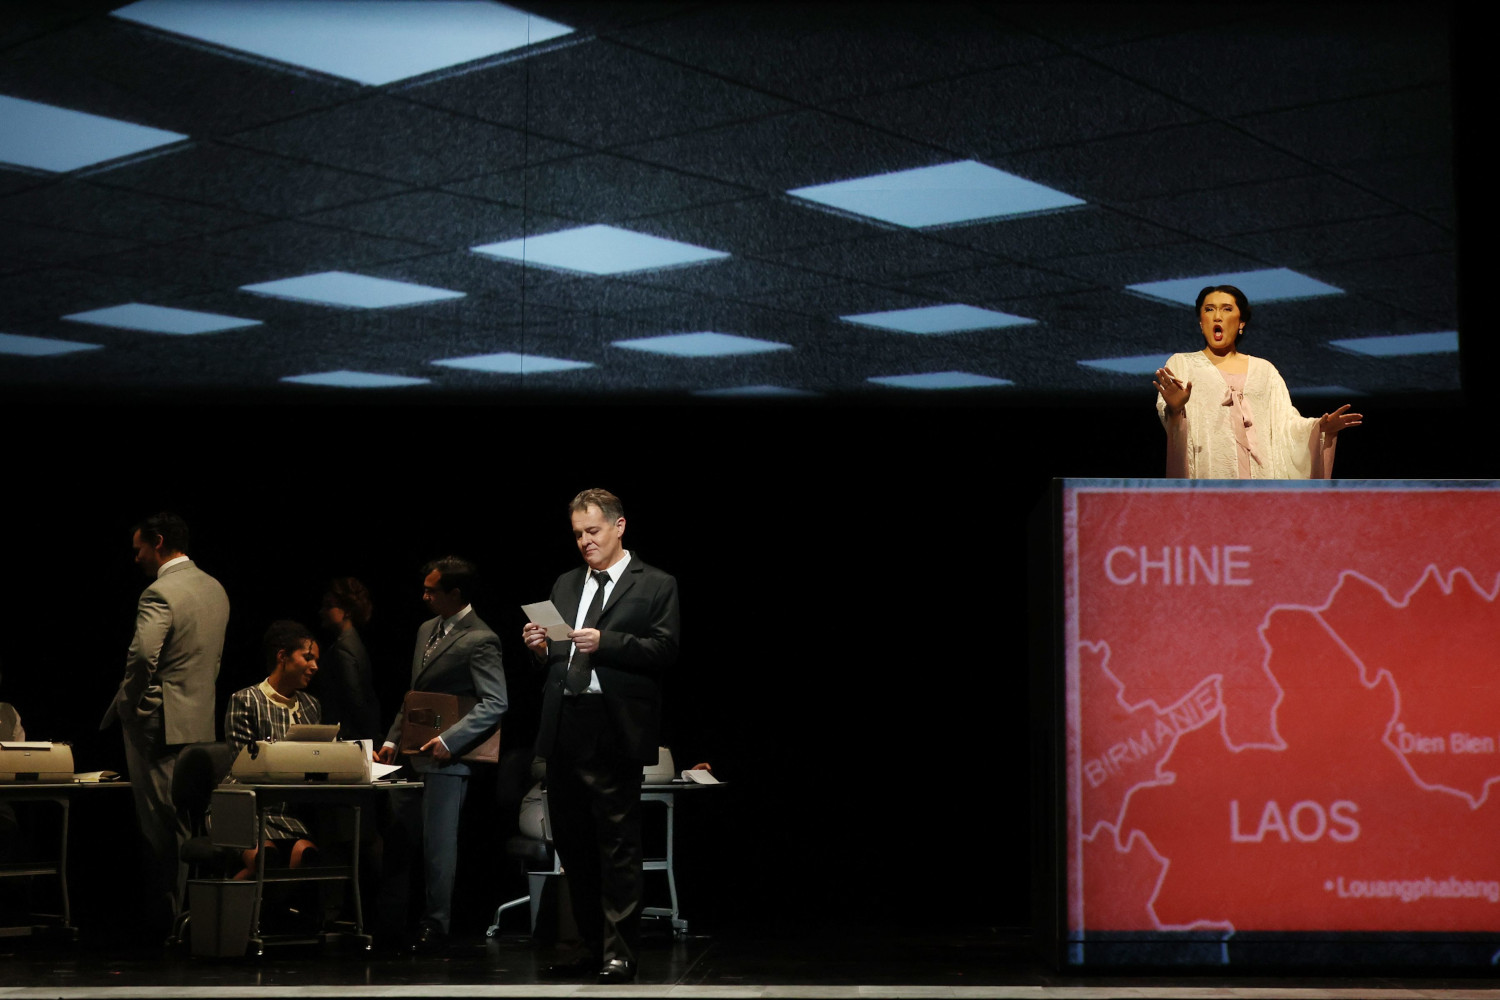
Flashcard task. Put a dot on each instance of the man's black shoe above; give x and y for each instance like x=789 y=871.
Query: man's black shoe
x=430 y=939
x=579 y=969
x=617 y=970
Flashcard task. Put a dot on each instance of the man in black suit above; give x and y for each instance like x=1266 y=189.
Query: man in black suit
x=601 y=722
x=456 y=653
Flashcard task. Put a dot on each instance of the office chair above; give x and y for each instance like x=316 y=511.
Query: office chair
x=199 y=770
x=531 y=844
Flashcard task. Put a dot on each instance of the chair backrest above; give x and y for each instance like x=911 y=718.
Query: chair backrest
x=512 y=779
x=10 y=721
x=199 y=769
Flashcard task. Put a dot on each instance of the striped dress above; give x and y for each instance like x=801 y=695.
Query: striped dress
x=253 y=715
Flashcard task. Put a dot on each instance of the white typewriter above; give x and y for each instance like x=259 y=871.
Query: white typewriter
x=35 y=761
x=302 y=761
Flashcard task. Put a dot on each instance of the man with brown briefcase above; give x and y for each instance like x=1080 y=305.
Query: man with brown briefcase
x=456 y=655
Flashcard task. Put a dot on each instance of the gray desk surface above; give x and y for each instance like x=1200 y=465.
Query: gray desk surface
x=677 y=787
x=55 y=786
x=322 y=787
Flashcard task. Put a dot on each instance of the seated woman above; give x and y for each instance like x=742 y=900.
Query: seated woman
x=346 y=683
x=265 y=711
x=1240 y=424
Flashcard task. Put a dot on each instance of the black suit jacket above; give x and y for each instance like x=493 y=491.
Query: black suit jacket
x=345 y=686
x=639 y=629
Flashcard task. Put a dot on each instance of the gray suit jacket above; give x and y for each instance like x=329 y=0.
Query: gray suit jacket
x=173 y=660
x=466 y=662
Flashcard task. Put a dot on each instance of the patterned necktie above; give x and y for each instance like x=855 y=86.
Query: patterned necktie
x=432 y=640
x=579 y=670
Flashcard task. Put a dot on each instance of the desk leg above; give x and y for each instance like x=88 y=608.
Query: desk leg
x=62 y=871
x=679 y=926
x=668 y=865
x=359 y=906
x=260 y=878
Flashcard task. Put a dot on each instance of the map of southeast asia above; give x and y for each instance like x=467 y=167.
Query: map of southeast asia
x=1283 y=707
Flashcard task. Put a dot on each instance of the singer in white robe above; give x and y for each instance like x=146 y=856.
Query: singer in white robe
x=1229 y=416
x=1253 y=432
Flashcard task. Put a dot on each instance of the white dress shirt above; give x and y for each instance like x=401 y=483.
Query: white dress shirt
x=169 y=563
x=587 y=598
x=444 y=626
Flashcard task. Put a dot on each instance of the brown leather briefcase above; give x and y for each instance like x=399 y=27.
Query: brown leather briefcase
x=426 y=714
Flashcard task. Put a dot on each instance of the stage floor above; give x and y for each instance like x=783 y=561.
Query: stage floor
x=811 y=962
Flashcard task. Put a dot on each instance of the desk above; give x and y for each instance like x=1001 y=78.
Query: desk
x=667 y=794
x=60 y=793
x=239 y=821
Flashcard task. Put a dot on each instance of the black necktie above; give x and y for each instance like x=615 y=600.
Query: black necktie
x=432 y=640
x=578 y=668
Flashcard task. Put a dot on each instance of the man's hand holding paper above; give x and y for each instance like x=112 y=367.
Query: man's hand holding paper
x=546 y=616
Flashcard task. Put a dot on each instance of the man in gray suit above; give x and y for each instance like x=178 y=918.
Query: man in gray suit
x=166 y=698
x=456 y=653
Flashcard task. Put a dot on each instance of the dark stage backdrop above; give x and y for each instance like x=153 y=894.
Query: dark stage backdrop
x=853 y=587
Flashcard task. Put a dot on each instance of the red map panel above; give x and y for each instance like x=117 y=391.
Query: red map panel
x=1283 y=707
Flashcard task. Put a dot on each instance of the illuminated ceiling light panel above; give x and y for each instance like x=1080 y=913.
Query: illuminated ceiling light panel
x=1259 y=286
x=941 y=380
x=938 y=319
x=44 y=137
x=1401 y=344
x=40 y=347
x=161 y=319
x=345 y=379
x=964 y=191
x=356 y=291
x=509 y=363
x=753 y=390
x=702 y=345
x=372 y=42
x=599 y=250
x=1135 y=364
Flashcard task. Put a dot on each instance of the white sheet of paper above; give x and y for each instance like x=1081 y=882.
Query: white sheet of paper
x=700 y=777
x=379 y=770
x=545 y=615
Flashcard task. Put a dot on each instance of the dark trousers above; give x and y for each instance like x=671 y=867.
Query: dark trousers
x=594 y=802
x=150 y=763
x=424 y=825
x=442 y=803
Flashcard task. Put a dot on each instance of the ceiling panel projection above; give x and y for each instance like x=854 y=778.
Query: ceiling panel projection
x=738 y=201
